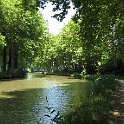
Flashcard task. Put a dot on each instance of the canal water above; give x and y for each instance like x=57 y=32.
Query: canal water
x=26 y=101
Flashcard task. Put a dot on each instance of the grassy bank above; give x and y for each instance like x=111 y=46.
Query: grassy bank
x=96 y=109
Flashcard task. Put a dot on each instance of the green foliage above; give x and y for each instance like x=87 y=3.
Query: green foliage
x=100 y=33
x=2 y=40
x=23 y=30
x=96 y=109
x=2 y=44
x=10 y=74
x=91 y=44
x=63 y=53
x=29 y=4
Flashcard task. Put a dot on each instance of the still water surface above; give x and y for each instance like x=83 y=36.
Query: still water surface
x=24 y=101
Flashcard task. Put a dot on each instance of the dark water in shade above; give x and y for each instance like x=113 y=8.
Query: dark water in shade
x=24 y=101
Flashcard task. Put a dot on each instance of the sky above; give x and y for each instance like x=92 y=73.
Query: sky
x=54 y=25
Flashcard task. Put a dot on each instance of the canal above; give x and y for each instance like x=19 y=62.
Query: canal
x=26 y=101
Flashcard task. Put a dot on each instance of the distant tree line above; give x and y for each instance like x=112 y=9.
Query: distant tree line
x=93 y=40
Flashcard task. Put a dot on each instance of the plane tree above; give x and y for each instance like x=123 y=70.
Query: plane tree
x=101 y=30
x=23 y=29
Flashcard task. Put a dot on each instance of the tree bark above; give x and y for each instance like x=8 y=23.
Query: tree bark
x=4 y=61
x=13 y=58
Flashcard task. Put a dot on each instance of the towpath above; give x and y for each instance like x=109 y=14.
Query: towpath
x=119 y=108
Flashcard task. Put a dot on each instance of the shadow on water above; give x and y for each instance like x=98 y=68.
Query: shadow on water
x=11 y=79
x=27 y=106
x=21 y=106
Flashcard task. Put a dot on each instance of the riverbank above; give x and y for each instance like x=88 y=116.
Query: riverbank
x=97 y=107
x=13 y=74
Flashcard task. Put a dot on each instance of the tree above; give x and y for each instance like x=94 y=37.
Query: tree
x=64 y=52
x=23 y=30
x=101 y=27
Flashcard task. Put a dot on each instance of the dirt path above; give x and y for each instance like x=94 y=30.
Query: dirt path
x=118 y=113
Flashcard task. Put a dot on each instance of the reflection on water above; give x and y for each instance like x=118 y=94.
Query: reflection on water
x=24 y=101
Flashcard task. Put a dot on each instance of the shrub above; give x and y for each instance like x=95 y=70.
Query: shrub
x=95 y=109
x=16 y=73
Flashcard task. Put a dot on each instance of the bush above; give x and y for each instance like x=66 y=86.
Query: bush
x=16 y=73
x=111 y=67
x=96 y=108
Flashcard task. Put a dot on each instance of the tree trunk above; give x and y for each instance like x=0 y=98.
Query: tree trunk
x=13 y=58
x=10 y=60
x=4 y=61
